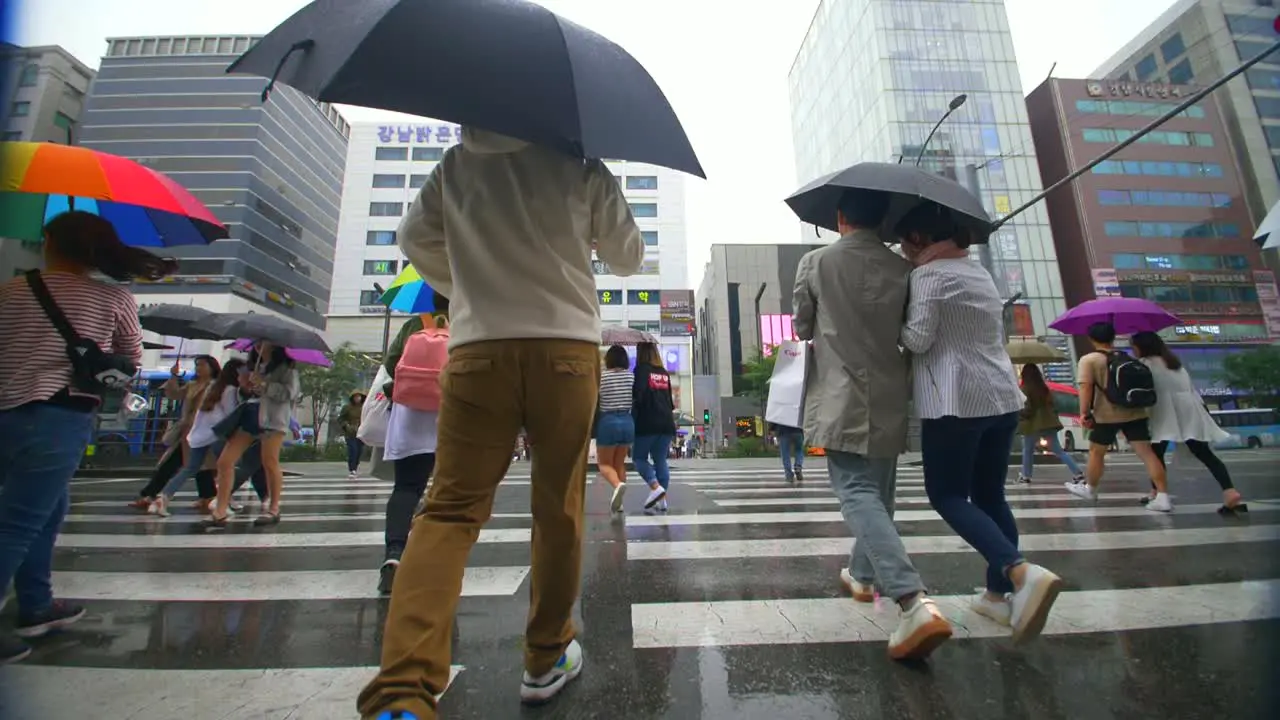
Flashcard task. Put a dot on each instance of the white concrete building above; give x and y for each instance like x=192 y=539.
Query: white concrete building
x=387 y=164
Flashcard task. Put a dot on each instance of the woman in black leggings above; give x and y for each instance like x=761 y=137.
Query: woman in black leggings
x=1179 y=415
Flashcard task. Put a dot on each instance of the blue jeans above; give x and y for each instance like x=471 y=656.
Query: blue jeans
x=791 y=445
x=195 y=459
x=354 y=448
x=656 y=447
x=1029 y=448
x=865 y=487
x=966 y=461
x=40 y=448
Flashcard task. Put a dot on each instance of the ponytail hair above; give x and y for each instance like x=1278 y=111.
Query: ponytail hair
x=87 y=240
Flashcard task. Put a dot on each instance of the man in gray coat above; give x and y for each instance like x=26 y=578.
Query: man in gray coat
x=850 y=301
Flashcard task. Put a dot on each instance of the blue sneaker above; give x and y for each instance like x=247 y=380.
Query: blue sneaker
x=535 y=690
x=397 y=715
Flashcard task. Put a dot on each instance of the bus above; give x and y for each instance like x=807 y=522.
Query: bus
x=119 y=436
x=1249 y=428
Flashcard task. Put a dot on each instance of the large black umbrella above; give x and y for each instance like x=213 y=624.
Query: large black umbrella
x=255 y=326
x=816 y=202
x=175 y=321
x=508 y=66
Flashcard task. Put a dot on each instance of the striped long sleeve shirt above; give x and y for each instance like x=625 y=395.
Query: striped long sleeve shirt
x=615 y=390
x=955 y=330
x=33 y=356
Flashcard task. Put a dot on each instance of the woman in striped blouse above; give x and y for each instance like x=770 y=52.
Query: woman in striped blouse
x=45 y=421
x=968 y=401
x=615 y=429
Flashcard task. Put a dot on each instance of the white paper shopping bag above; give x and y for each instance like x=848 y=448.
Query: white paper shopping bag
x=786 y=387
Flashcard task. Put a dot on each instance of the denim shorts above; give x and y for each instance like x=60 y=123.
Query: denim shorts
x=614 y=429
x=249 y=420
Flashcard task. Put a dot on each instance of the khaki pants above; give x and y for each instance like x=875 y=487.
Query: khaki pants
x=491 y=390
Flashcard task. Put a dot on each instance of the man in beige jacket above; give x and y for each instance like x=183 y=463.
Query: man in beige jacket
x=505 y=230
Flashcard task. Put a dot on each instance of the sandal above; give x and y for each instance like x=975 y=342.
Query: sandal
x=213 y=522
x=1233 y=509
x=266 y=519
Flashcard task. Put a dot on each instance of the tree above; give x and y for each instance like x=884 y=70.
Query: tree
x=754 y=380
x=1257 y=371
x=328 y=389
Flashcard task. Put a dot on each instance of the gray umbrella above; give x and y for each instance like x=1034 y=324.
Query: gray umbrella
x=816 y=202
x=255 y=326
x=175 y=321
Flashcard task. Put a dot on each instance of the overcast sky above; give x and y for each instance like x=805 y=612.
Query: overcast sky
x=722 y=63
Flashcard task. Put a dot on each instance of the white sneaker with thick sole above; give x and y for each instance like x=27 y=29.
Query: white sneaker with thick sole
x=1030 y=606
x=920 y=631
x=655 y=496
x=1082 y=491
x=860 y=592
x=535 y=690
x=1160 y=503
x=995 y=610
x=615 y=505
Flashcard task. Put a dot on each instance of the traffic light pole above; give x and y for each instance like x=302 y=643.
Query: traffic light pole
x=1140 y=134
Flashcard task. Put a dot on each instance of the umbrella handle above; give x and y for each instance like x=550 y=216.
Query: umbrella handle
x=271 y=82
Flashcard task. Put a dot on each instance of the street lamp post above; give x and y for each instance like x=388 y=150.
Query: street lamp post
x=760 y=341
x=952 y=106
x=386 y=322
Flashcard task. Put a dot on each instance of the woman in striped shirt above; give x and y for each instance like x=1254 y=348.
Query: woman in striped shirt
x=45 y=423
x=615 y=428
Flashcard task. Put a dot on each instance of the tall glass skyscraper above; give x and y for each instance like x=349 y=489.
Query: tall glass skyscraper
x=871 y=79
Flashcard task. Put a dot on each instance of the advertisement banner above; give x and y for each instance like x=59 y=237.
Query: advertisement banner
x=1269 y=299
x=775 y=329
x=676 y=313
x=1105 y=283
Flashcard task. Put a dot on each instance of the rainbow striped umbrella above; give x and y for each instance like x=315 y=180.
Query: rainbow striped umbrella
x=409 y=293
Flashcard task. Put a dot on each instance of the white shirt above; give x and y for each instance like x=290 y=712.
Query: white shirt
x=1179 y=414
x=201 y=433
x=504 y=230
x=955 y=328
x=410 y=432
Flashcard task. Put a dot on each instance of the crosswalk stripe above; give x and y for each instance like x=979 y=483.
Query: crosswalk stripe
x=834 y=620
x=76 y=541
x=926 y=544
x=138 y=519
x=900 y=500
x=262 y=586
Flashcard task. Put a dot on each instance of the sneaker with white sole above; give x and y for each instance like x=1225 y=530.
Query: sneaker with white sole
x=999 y=611
x=535 y=690
x=387 y=575
x=615 y=504
x=662 y=504
x=655 y=496
x=1029 y=606
x=920 y=631
x=58 y=615
x=1082 y=491
x=1160 y=503
x=159 y=507
x=860 y=592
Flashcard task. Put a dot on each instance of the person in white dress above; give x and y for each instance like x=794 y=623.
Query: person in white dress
x=1180 y=416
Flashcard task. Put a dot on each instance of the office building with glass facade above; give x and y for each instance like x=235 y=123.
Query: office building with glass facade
x=271 y=171
x=871 y=79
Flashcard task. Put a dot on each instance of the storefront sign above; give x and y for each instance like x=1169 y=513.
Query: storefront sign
x=1059 y=372
x=420 y=134
x=1160 y=277
x=1105 y=283
x=1185 y=309
x=1268 y=299
x=676 y=313
x=1115 y=88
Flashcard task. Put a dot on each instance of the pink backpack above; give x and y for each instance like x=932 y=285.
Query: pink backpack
x=417 y=378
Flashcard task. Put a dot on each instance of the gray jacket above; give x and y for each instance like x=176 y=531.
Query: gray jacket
x=850 y=300
x=281 y=389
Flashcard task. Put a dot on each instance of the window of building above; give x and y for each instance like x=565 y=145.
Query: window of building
x=417 y=181
x=62 y=121
x=1128 y=228
x=1155 y=137
x=1181 y=74
x=1250 y=48
x=380 y=237
x=609 y=297
x=1262 y=79
x=1139 y=261
x=1173 y=47
x=1127 y=262
x=649 y=326
x=1146 y=68
x=379 y=267
x=1273 y=135
x=644 y=210
x=642 y=182
x=1268 y=107
x=1133 y=107
x=642 y=297
x=20 y=109
x=30 y=73
x=388 y=181
x=649 y=266
x=1158 y=168
x=391 y=153
x=1113 y=197
x=650 y=237
x=369 y=297
x=386 y=209
x=1250 y=25
x=428 y=154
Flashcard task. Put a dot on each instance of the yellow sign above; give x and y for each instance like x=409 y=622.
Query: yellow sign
x=1002 y=205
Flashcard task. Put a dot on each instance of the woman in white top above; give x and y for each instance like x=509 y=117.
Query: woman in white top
x=968 y=401
x=1179 y=416
x=215 y=404
x=615 y=428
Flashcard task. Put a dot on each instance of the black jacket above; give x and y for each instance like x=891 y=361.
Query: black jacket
x=652 y=404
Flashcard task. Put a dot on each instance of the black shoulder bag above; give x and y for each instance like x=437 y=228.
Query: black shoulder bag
x=93 y=371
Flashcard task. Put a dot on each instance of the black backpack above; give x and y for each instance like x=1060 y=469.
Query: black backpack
x=93 y=371
x=1129 y=382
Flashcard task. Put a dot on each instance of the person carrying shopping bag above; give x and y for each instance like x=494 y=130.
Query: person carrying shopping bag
x=1038 y=419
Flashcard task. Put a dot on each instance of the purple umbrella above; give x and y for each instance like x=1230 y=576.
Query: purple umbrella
x=309 y=357
x=1128 y=315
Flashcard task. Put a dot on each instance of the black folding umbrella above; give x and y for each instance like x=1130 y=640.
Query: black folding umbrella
x=175 y=321
x=255 y=326
x=908 y=185
x=508 y=66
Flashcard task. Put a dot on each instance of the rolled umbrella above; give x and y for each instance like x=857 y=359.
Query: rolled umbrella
x=907 y=185
x=509 y=66
x=1027 y=352
x=620 y=335
x=1128 y=315
x=175 y=321
x=256 y=326
x=308 y=357
x=409 y=293
x=148 y=209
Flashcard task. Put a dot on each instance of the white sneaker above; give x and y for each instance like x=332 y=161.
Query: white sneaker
x=662 y=504
x=1161 y=503
x=860 y=592
x=352 y=475
x=534 y=690
x=1082 y=491
x=920 y=631
x=996 y=610
x=1029 y=607
x=615 y=505
x=159 y=507
x=655 y=496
